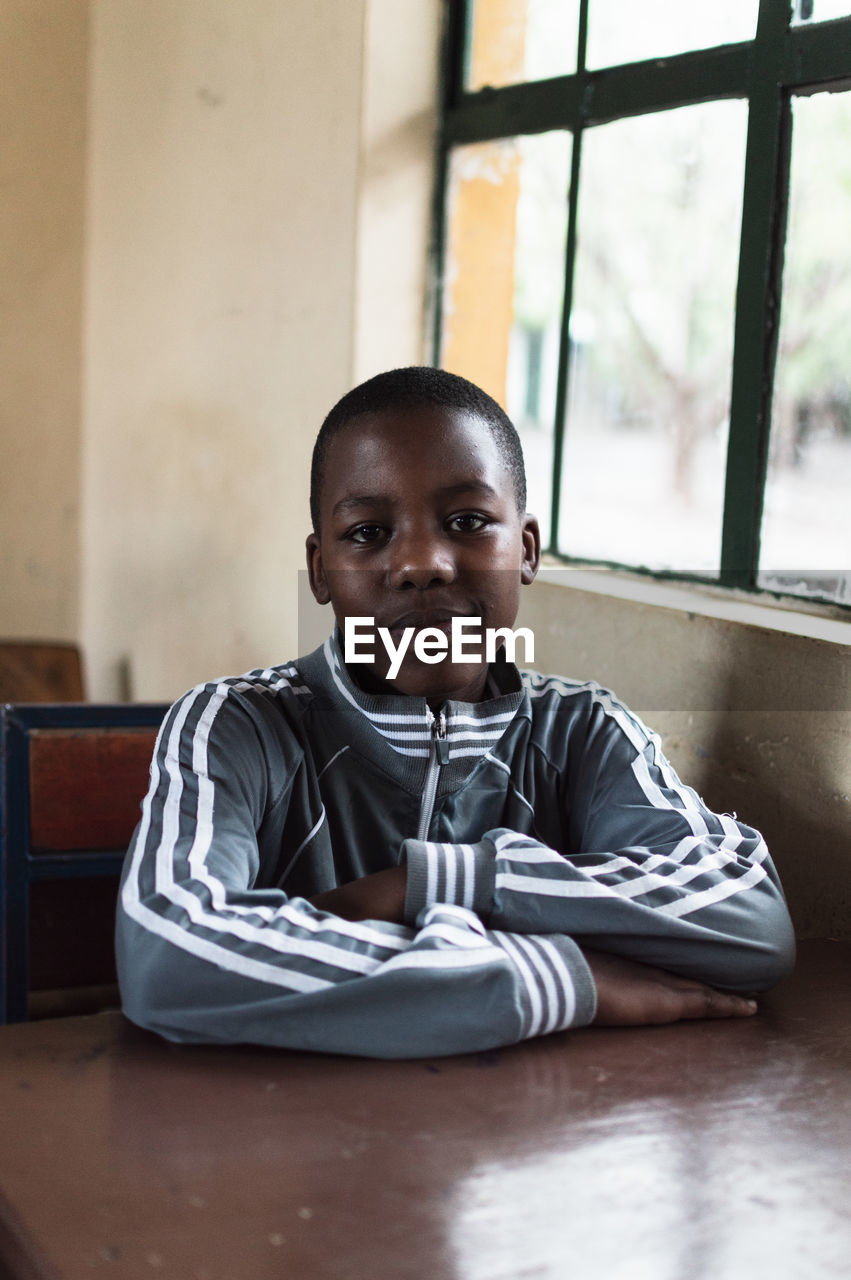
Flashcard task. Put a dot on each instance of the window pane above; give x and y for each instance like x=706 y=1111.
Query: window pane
x=504 y=281
x=820 y=10
x=651 y=336
x=622 y=32
x=806 y=523
x=514 y=40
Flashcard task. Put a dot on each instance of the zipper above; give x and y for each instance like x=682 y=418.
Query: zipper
x=438 y=755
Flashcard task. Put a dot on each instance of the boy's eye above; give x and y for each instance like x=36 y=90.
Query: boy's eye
x=468 y=522
x=365 y=533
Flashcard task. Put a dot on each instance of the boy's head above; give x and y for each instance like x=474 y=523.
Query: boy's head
x=413 y=388
x=418 y=507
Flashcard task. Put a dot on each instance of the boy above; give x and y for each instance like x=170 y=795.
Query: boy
x=405 y=857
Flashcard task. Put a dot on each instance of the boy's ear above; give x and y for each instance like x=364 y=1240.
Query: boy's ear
x=315 y=571
x=531 y=550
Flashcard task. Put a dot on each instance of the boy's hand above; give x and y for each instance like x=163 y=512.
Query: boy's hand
x=380 y=896
x=630 y=994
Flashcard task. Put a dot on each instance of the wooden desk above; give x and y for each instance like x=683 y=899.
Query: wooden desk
x=709 y=1150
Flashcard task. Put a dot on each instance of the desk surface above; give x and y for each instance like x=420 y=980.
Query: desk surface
x=709 y=1150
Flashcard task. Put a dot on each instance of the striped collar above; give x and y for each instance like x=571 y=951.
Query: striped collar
x=406 y=723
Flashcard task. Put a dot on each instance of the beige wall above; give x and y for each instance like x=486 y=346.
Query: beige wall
x=756 y=719
x=219 y=223
x=226 y=183
x=395 y=185
x=43 y=50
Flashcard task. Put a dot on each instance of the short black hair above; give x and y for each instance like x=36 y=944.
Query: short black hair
x=412 y=388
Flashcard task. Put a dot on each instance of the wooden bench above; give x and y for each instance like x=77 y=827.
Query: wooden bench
x=71 y=781
x=40 y=671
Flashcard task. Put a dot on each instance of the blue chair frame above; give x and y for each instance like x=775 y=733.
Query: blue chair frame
x=19 y=867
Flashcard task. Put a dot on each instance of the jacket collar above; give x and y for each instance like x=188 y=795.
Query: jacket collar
x=404 y=726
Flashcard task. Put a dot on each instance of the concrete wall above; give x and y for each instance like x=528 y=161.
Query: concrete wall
x=43 y=53
x=219 y=221
x=395 y=185
x=237 y=153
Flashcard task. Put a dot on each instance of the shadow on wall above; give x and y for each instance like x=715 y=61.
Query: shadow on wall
x=777 y=754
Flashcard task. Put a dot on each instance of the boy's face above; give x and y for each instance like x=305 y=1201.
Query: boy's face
x=419 y=525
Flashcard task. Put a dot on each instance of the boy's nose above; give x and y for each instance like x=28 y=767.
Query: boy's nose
x=420 y=561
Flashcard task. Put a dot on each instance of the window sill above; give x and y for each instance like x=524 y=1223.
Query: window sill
x=789 y=614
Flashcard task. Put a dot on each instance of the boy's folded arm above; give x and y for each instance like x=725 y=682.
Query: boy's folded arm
x=722 y=910
x=720 y=919
x=378 y=896
x=292 y=975
x=653 y=876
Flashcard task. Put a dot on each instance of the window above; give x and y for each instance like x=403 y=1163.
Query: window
x=645 y=257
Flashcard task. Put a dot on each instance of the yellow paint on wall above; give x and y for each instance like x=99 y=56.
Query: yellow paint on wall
x=478 y=297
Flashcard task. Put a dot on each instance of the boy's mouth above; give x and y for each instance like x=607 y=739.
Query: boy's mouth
x=438 y=619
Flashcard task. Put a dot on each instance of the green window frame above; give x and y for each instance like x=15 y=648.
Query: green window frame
x=782 y=60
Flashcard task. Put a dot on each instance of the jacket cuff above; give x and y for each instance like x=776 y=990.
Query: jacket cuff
x=557 y=990
x=462 y=874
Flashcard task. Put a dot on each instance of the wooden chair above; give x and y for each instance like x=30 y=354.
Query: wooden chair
x=35 y=671
x=71 y=782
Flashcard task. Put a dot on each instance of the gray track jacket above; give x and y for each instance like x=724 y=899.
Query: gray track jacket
x=541 y=819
